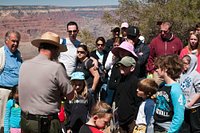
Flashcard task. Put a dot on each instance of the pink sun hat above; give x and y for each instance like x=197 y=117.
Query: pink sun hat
x=124 y=46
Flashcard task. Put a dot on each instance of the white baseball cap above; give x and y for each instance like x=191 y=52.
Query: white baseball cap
x=124 y=24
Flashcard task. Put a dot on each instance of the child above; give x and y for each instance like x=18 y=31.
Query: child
x=13 y=113
x=146 y=89
x=169 y=111
x=190 y=85
x=101 y=115
x=193 y=47
x=126 y=98
x=78 y=108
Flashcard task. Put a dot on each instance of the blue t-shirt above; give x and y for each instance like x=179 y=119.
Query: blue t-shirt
x=10 y=74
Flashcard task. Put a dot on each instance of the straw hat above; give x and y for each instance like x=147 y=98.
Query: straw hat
x=50 y=38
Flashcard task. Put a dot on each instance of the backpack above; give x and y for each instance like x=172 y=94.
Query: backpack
x=85 y=64
x=63 y=41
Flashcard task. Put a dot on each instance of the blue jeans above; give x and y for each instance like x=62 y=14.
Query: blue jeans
x=110 y=96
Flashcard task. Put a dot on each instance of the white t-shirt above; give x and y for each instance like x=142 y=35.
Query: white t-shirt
x=68 y=58
x=147 y=105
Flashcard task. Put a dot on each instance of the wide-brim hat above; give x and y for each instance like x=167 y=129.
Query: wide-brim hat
x=127 y=47
x=49 y=38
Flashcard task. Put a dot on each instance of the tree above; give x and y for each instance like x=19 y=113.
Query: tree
x=145 y=14
x=87 y=38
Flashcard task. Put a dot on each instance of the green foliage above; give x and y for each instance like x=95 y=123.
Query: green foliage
x=87 y=38
x=184 y=14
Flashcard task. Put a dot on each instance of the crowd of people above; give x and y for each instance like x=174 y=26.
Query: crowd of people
x=124 y=85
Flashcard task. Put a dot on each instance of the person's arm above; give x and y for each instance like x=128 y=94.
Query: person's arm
x=178 y=102
x=150 y=61
x=109 y=61
x=95 y=63
x=143 y=54
x=64 y=84
x=114 y=78
x=9 y=105
x=180 y=45
x=184 y=52
x=195 y=98
x=96 y=76
x=148 y=110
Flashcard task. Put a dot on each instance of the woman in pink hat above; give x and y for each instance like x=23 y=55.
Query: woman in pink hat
x=125 y=49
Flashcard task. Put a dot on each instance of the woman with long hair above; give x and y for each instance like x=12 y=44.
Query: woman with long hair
x=193 y=47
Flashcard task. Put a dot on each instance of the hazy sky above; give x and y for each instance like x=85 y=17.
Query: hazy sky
x=60 y=2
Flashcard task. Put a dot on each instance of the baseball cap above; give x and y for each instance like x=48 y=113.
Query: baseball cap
x=115 y=29
x=127 y=61
x=77 y=76
x=124 y=25
x=133 y=31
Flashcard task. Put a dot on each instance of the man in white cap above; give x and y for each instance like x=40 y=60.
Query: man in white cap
x=42 y=84
x=124 y=27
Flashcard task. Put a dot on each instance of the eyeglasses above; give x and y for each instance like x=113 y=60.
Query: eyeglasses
x=81 y=52
x=70 y=31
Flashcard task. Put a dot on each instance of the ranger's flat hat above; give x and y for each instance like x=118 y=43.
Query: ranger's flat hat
x=49 y=38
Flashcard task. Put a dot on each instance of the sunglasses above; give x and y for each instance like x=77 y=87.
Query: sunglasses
x=15 y=41
x=124 y=28
x=100 y=44
x=161 y=31
x=81 y=52
x=70 y=31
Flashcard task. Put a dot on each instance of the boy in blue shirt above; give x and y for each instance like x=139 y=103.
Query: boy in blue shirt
x=169 y=111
